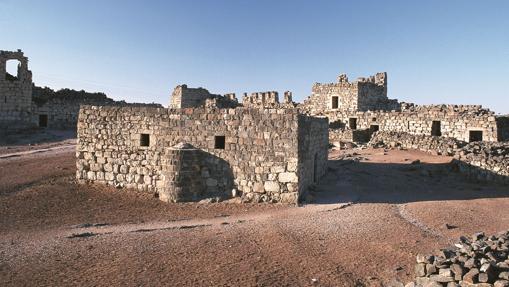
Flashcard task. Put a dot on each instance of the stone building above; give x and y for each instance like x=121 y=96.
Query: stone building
x=203 y=151
x=15 y=92
x=356 y=110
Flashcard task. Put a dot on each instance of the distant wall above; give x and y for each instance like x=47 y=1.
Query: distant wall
x=364 y=94
x=454 y=121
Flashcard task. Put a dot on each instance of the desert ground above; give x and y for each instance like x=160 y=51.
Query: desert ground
x=370 y=216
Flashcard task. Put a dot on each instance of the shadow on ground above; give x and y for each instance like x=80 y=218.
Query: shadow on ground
x=35 y=136
x=396 y=183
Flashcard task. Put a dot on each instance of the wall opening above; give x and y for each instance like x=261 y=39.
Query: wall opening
x=475 y=136
x=352 y=123
x=144 y=140
x=335 y=102
x=219 y=142
x=436 y=129
x=43 y=121
x=374 y=128
x=315 y=168
x=336 y=125
x=12 y=69
x=373 y=119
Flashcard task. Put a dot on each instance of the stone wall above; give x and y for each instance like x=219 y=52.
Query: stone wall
x=261 y=148
x=364 y=94
x=450 y=121
x=479 y=160
x=15 y=92
x=62 y=107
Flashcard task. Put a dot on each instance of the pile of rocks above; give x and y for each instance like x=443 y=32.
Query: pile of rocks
x=432 y=144
x=485 y=161
x=479 y=261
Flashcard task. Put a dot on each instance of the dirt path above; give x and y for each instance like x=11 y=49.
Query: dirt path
x=56 y=233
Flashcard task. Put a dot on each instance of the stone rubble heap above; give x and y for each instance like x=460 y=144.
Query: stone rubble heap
x=487 y=161
x=479 y=261
x=431 y=144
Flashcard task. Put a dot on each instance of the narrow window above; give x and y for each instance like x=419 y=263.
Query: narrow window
x=352 y=123
x=374 y=128
x=43 y=121
x=315 y=168
x=436 y=130
x=335 y=102
x=219 y=142
x=144 y=140
x=373 y=119
x=475 y=136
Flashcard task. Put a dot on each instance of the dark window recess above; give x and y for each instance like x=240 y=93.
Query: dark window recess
x=352 y=123
x=335 y=102
x=43 y=121
x=144 y=140
x=373 y=119
x=374 y=128
x=436 y=130
x=219 y=142
x=336 y=125
x=315 y=168
x=475 y=136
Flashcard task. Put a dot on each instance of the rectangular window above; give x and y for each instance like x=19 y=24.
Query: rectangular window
x=335 y=102
x=144 y=140
x=475 y=136
x=436 y=129
x=219 y=142
x=352 y=123
x=43 y=121
x=374 y=128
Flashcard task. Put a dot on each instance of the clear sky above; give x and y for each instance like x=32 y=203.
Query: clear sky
x=434 y=51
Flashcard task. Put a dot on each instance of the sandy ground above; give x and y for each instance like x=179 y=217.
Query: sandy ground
x=56 y=233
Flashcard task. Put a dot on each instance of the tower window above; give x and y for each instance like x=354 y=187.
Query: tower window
x=335 y=102
x=219 y=142
x=436 y=129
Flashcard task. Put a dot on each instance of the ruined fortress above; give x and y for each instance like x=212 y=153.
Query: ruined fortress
x=26 y=106
x=262 y=149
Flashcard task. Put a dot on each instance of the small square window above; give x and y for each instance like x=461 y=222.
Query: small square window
x=144 y=140
x=219 y=142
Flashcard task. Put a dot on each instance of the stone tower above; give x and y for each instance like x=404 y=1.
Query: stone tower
x=15 y=92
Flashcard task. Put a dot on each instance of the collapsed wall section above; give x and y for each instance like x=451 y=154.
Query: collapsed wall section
x=478 y=160
x=255 y=151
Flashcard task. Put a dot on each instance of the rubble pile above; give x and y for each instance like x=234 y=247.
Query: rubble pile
x=485 y=161
x=479 y=261
x=432 y=144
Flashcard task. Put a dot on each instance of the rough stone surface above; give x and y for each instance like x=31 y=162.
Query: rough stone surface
x=268 y=154
x=477 y=261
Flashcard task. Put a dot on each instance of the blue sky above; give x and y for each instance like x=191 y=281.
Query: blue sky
x=434 y=51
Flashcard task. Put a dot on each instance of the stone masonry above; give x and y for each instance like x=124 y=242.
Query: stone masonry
x=266 y=155
x=362 y=107
x=15 y=92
